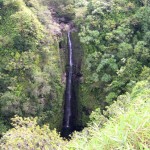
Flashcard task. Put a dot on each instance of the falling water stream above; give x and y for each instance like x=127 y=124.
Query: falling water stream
x=68 y=112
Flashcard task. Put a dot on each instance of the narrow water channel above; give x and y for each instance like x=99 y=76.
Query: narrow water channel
x=68 y=111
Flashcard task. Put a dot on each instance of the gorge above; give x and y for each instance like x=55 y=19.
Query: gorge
x=69 y=65
x=71 y=100
x=68 y=113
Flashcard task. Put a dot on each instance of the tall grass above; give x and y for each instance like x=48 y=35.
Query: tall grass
x=129 y=130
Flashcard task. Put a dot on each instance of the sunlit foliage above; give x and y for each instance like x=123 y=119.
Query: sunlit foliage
x=124 y=125
x=115 y=39
x=27 y=135
x=30 y=74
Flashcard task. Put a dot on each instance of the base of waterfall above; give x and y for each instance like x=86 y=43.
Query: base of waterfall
x=66 y=131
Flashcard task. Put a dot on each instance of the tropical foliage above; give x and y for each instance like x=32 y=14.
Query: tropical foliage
x=124 y=125
x=27 y=135
x=114 y=91
x=115 y=38
x=30 y=74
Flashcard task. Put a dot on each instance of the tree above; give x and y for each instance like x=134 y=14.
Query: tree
x=27 y=135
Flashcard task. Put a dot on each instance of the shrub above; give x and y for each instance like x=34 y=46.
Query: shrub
x=128 y=126
x=27 y=135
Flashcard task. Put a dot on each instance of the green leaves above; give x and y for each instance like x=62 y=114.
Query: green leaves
x=119 y=31
x=30 y=75
x=65 y=10
x=26 y=134
x=124 y=50
x=124 y=125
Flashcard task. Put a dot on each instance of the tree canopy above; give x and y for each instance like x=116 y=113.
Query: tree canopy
x=114 y=90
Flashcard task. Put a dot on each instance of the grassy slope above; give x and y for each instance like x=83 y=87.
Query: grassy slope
x=128 y=128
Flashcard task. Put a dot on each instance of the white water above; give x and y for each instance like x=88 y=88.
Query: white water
x=68 y=111
x=70 y=50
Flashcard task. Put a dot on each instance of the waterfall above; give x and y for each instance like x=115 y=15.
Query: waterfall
x=68 y=113
x=71 y=113
x=70 y=52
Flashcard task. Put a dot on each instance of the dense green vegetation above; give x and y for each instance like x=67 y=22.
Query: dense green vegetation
x=114 y=94
x=30 y=74
x=64 y=9
x=124 y=125
x=115 y=38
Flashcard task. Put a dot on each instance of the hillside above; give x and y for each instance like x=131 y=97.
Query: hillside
x=94 y=54
x=124 y=125
x=30 y=69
